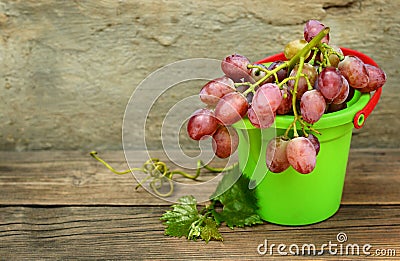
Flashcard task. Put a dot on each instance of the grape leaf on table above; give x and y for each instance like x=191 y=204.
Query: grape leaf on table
x=239 y=202
x=185 y=220
x=210 y=230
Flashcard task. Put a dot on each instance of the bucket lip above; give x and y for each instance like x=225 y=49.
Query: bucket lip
x=327 y=120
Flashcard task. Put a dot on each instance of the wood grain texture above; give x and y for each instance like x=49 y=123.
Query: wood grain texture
x=136 y=233
x=68 y=68
x=74 y=178
x=64 y=205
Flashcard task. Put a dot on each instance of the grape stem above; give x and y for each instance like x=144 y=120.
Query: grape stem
x=267 y=75
x=294 y=96
x=299 y=58
x=316 y=41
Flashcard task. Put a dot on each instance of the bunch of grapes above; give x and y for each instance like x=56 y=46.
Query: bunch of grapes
x=315 y=79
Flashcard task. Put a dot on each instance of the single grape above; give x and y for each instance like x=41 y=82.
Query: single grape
x=301 y=155
x=225 y=141
x=344 y=92
x=312 y=106
x=314 y=140
x=286 y=103
x=231 y=108
x=282 y=73
x=377 y=78
x=202 y=124
x=353 y=69
x=329 y=83
x=293 y=47
x=276 y=158
x=312 y=75
x=235 y=67
x=261 y=120
x=267 y=96
x=312 y=28
x=215 y=89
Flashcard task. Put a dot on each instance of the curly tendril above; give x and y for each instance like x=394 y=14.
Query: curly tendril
x=159 y=173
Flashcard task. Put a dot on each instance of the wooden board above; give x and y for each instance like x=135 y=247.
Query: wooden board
x=65 y=205
x=74 y=178
x=135 y=233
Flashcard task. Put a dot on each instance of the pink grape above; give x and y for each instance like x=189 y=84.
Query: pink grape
x=377 y=78
x=265 y=102
x=235 y=67
x=261 y=120
x=312 y=28
x=201 y=124
x=353 y=69
x=329 y=83
x=314 y=140
x=231 y=108
x=312 y=74
x=301 y=155
x=225 y=141
x=276 y=158
x=268 y=97
x=312 y=106
x=344 y=92
x=215 y=89
x=286 y=103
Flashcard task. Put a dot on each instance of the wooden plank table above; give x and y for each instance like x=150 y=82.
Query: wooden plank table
x=65 y=205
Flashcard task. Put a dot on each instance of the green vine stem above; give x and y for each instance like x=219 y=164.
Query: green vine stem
x=316 y=41
x=294 y=96
x=159 y=173
x=94 y=155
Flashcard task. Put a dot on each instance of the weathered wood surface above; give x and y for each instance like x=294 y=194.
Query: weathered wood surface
x=68 y=68
x=74 y=178
x=65 y=205
x=135 y=233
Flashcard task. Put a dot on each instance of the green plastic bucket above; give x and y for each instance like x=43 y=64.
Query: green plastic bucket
x=291 y=198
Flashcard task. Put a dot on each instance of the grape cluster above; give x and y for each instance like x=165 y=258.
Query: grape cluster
x=315 y=79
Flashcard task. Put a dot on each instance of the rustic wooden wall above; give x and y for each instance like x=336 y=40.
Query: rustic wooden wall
x=68 y=68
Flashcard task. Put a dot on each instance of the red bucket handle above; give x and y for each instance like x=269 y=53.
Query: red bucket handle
x=361 y=115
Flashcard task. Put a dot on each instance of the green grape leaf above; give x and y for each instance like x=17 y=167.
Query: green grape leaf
x=239 y=202
x=210 y=230
x=179 y=220
x=185 y=220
